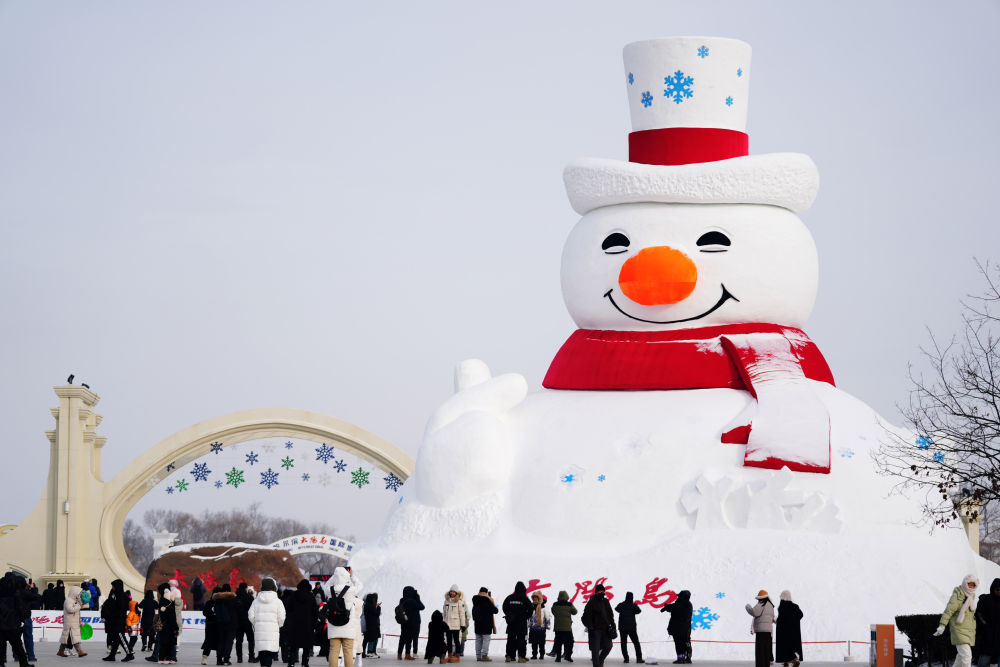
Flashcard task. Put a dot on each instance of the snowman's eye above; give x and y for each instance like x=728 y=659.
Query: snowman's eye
x=615 y=244
x=713 y=242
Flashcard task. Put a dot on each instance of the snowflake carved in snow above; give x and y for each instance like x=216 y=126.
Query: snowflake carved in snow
x=392 y=482
x=360 y=477
x=252 y=458
x=702 y=619
x=235 y=477
x=678 y=87
x=216 y=447
x=324 y=453
x=201 y=472
x=340 y=466
x=288 y=463
x=269 y=478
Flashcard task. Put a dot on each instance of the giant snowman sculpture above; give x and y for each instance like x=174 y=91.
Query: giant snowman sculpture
x=689 y=435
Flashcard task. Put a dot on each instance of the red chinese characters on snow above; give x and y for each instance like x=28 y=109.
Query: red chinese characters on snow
x=654 y=595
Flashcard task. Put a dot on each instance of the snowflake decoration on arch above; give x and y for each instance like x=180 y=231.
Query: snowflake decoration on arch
x=289 y=444
x=703 y=52
x=268 y=447
x=324 y=453
x=703 y=619
x=678 y=87
x=340 y=466
x=269 y=478
x=252 y=457
x=647 y=99
x=183 y=484
x=288 y=463
x=305 y=477
x=201 y=472
x=360 y=477
x=392 y=482
x=170 y=489
x=235 y=477
x=216 y=447
x=324 y=479
x=171 y=466
x=218 y=483
x=152 y=481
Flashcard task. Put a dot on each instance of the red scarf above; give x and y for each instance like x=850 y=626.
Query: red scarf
x=734 y=356
x=701 y=358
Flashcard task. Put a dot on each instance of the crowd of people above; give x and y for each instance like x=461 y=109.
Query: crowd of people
x=288 y=624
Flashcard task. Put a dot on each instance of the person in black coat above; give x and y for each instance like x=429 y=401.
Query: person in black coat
x=679 y=626
x=12 y=614
x=627 y=609
x=225 y=617
x=147 y=614
x=409 y=632
x=599 y=620
x=988 y=625
x=244 y=628
x=437 y=643
x=113 y=611
x=198 y=593
x=788 y=634
x=517 y=608
x=301 y=623
x=211 y=640
x=483 y=623
x=372 y=612
x=166 y=638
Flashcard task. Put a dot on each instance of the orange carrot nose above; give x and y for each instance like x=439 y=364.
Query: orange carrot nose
x=658 y=276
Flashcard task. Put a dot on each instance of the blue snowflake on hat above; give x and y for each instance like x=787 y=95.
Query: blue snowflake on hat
x=678 y=87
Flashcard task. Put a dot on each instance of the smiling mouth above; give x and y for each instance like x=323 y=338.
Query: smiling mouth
x=726 y=296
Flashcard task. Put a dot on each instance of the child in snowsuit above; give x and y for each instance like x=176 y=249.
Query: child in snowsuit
x=540 y=621
x=679 y=626
x=437 y=644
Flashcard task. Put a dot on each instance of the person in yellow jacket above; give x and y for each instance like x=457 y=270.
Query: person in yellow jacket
x=960 y=617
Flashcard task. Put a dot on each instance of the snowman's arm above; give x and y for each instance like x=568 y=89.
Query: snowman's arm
x=791 y=426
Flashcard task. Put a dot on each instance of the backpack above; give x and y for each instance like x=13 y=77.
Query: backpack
x=8 y=615
x=401 y=614
x=337 y=612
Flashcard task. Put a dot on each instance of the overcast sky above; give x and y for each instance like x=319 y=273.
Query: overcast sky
x=215 y=206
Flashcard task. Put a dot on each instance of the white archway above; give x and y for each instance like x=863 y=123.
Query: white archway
x=58 y=536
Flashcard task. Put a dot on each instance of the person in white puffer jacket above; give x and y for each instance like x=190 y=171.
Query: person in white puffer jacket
x=267 y=615
x=342 y=637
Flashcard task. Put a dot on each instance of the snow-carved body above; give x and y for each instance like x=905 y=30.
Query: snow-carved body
x=689 y=435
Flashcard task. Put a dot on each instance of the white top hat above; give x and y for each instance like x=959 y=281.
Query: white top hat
x=688 y=101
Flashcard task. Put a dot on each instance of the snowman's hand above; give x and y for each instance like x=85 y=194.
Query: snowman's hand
x=467 y=452
x=476 y=391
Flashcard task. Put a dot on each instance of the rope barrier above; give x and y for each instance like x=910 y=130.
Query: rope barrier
x=670 y=641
